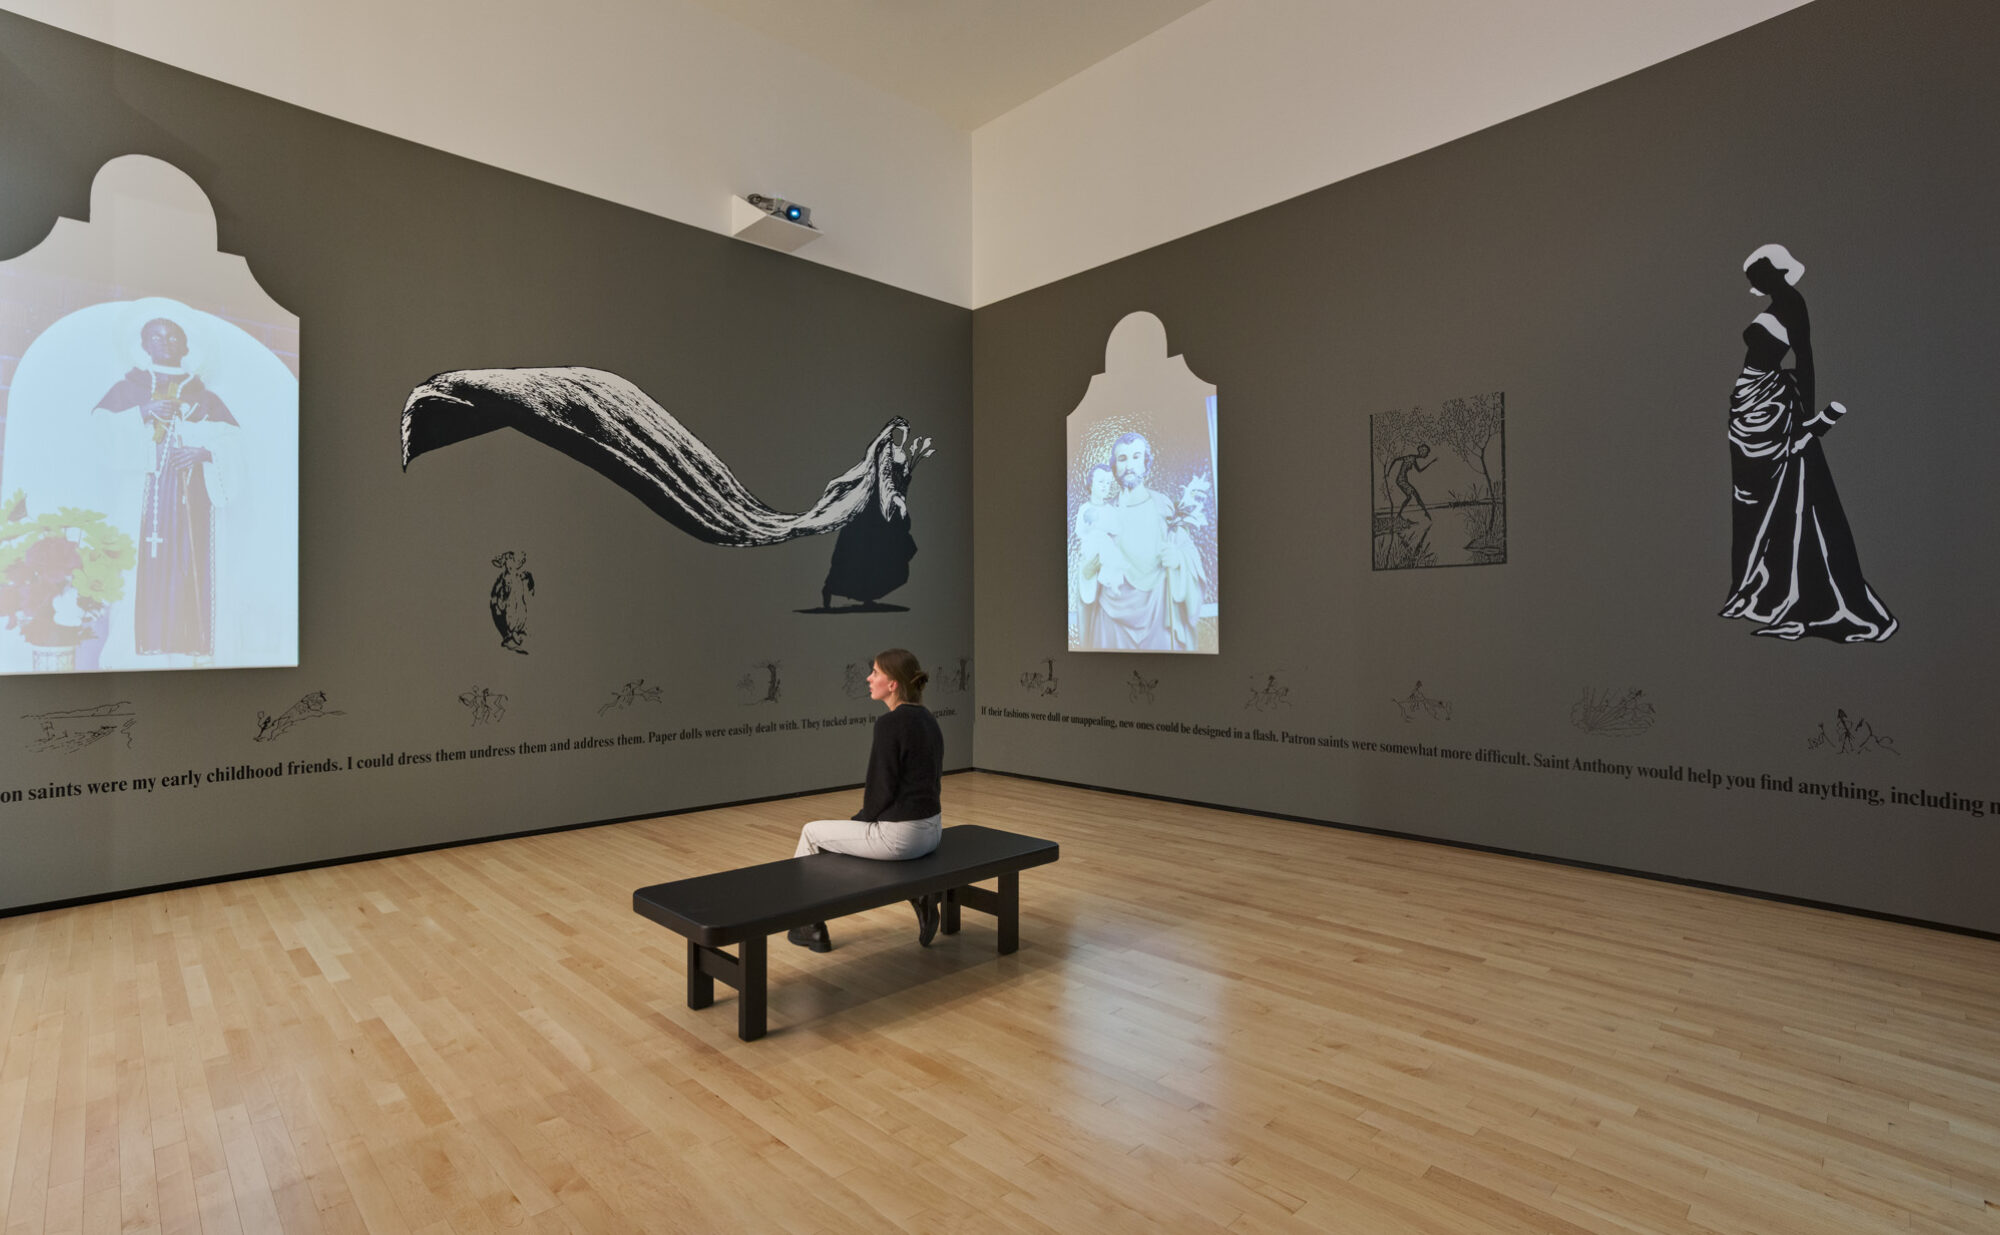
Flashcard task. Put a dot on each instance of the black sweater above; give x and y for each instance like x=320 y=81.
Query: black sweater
x=903 y=767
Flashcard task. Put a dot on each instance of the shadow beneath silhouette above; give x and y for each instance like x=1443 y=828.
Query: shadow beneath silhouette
x=866 y=606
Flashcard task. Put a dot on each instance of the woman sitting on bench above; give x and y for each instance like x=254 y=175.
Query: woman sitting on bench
x=900 y=815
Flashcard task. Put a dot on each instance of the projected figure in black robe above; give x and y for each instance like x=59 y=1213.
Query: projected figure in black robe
x=174 y=609
x=1792 y=561
x=608 y=424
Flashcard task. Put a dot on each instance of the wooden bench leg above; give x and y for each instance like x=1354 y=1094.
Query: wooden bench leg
x=948 y=912
x=753 y=954
x=701 y=987
x=1010 y=912
x=1004 y=903
x=748 y=971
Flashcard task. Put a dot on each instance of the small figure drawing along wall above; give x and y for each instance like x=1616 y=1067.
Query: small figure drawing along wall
x=762 y=682
x=67 y=730
x=310 y=706
x=631 y=694
x=486 y=705
x=1613 y=713
x=509 y=600
x=1417 y=703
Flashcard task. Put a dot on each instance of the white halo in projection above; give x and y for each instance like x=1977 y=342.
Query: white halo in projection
x=1141 y=501
x=149 y=472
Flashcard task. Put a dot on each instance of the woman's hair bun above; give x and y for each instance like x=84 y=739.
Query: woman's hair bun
x=901 y=665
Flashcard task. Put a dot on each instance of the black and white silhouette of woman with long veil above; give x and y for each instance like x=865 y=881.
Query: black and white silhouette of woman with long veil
x=616 y=429
x=1792 y=561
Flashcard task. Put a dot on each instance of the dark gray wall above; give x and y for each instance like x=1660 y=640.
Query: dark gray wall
x=402 y=262
x=1583 y=259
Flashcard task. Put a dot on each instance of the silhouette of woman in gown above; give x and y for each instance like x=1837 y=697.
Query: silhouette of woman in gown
x=1792 y=561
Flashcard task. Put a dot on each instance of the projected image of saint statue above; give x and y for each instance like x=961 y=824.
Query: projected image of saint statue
x=609 y=425
x=162 y=409
x=1142 y=511
x=1439 y=480
x=150 y=460
x=1792 y=562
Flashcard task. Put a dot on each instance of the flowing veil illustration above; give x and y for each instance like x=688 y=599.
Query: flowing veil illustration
x=611 y=426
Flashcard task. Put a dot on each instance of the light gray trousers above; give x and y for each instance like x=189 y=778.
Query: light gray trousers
x=884 y=840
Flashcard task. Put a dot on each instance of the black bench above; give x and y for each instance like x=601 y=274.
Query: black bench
x=744 y=907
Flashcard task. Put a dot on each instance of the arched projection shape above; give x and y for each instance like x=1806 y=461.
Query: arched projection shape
x=149 y=472
x=1141 y=501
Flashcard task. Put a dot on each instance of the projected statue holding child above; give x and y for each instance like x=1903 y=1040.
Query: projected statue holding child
x=1142 y=510
x=1141 y=582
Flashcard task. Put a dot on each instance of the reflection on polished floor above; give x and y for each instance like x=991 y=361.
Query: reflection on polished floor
x=1215 y=1022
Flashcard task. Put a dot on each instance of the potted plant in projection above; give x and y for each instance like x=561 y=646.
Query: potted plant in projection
x=59 y=575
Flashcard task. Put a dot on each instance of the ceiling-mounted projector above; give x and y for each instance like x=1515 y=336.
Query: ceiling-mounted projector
x=772 y=222
x=790 y=212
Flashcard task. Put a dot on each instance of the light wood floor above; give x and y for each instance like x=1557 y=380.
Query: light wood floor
x=1215 y=1022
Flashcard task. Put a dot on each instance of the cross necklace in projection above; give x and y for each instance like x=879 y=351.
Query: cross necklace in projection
x=165 y=387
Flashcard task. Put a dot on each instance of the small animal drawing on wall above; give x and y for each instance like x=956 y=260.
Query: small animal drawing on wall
x=612 y=427
x=1139 y=688
x=854 y=681
x=309 y=707
x=1792 y=561
x=1439 y=480
x=486 y=706
x=73 y=729
x=1041 y=680
x=509 y=600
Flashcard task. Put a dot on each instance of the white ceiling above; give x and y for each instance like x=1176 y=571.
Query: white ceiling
x=966 y=60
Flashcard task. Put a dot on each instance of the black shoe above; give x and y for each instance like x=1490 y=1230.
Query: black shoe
x=927 y=919
x=813 y=936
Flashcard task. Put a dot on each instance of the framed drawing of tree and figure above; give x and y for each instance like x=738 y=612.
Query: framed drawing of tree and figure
x=1439 y=484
